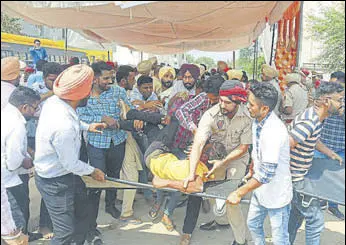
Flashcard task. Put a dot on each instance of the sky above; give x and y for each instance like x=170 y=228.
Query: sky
x=215 y=55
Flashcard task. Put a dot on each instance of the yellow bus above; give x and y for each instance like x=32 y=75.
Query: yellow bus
x=18 y=45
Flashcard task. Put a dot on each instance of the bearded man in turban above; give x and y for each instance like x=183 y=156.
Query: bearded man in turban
x=57 y=164
x=190 y=74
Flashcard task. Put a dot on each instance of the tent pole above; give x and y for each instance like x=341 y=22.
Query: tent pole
x=66 y=61
x=233 y=59
x=300 y=34
x=272 y=48
x=254 y=60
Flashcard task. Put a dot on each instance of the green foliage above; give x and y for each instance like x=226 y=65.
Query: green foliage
x=329 y=28
x=245 y=62
x=10 y=25
x=190 y=59
x=209 y=62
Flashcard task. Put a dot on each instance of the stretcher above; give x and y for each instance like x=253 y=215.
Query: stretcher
x=325 y=181
x=212 y=189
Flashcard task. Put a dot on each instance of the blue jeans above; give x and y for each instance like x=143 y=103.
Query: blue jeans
x=312 y=214
x=278 y=219
x=323 y=156
x=172 y=201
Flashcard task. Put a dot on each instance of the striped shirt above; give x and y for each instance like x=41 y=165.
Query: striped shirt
x=306 y=130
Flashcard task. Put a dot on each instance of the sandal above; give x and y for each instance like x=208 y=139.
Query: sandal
x=154 y=211
x=131 y=220
x=168 y=223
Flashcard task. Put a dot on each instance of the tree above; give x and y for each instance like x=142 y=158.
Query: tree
x=190 y=59
x=10 y=25
x=329 y=28
x=209 y=62
x=245 y=62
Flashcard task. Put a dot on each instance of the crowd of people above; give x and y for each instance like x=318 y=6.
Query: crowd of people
x=175 y=127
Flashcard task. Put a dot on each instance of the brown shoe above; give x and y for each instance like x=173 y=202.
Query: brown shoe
x=185 y=239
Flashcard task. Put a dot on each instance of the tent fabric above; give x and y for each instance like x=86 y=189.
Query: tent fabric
x=163 y=27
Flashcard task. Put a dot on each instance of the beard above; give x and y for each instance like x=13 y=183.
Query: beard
x=189 y=86
x=167 y=84
x=333 y=111
x=83 y=102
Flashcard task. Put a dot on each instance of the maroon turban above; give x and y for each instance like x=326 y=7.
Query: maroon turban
x=193 y=69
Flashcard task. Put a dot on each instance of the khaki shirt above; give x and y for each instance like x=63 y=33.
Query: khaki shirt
x=297 y=98
x=276 y=85
x=231 y=132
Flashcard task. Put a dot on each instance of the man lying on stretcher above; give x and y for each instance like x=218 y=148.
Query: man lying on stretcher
x=171 y=172
x=227 y=124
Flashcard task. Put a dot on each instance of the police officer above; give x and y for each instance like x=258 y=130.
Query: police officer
x=228 y=123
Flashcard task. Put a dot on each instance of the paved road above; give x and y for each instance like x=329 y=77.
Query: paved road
x=114 y=233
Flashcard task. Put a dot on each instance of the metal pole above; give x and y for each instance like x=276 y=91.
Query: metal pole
x=147 y=186
x=300 y=38
x=254 y=61
x=108 y=56
x=272 y=48
x=233 y=59
x=66 y=61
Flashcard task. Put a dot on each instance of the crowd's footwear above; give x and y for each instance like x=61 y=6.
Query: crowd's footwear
x=154 y=211
x=94 y=238
x=114 y=212
x=130 y=220
x=323 y=204
x=236 y=243
x=185 y=239
x=212 y=226
x=168 y=223
x=336 y=212
x=34 y=236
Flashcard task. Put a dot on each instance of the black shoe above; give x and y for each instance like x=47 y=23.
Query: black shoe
x=235 y=243
x=34 y=236
x=336 y=212
x=114 y=212
x=212 y=226
x=94 y=237
x=323 y=204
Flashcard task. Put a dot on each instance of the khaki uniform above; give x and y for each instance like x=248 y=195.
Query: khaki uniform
x=296 y=97
x=276 y=85
x=232 y=133
x=131 y=165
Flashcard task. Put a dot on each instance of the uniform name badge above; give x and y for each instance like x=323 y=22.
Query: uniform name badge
x=220 y=124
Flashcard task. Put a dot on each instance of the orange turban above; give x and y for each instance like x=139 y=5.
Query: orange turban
x=74 y=83
x=10 y=68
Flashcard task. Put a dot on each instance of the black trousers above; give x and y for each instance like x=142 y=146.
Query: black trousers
x=67 y=203
x=192 y=213
x=110 y=162
x=21 y=195
x=45 y=220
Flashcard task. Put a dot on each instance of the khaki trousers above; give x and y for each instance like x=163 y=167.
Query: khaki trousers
x=234 y=215
x=131 y=165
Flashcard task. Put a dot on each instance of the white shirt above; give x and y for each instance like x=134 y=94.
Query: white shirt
x=273 y=148
x=58 y=141
x=13 y=145
x=7 y=222
x=178 y=86
x=6 y=91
